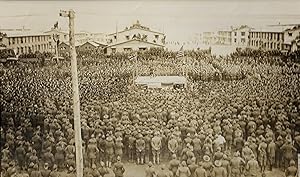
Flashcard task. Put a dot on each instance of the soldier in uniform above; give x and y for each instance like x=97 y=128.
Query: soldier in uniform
x=140 y=149
x=200 y=171
x=46 y=171
x=292 y=170
x=119 y=147
x=183 y=170
x=102 y=169
x=262 y=153
x=118 y=168
x=218 y=170
x=60 y=156
x=172 y=145
x=35 y=172
x=252 y=167
x=287 y=149
x=131 y=147
x=92 y=150
x=197 y=147
x=174 y=164
x=20 y=154
x=207 y=165
x=163 y=172
x=156 y=146
x=109 y=147
x=271 y=150
x=193 y=166
x=226 y=165
x=49 y=157
x=150 y=171
x=236 y=165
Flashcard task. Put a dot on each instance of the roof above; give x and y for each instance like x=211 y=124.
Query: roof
x=124 y=42
x=276 y=29
x=67 y=43
x=95 y=44
x=149 y=80
x=24 y=33
x=57 y=30
x=241 y=27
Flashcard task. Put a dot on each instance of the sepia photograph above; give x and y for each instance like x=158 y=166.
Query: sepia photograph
x=141 y=88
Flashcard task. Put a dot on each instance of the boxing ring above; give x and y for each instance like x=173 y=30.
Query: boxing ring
x=161 y=81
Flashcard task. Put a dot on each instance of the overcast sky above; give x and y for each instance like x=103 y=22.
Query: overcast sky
x=178 y=19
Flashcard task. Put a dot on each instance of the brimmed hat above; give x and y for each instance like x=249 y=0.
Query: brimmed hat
x=206 y=158
x=218 y=163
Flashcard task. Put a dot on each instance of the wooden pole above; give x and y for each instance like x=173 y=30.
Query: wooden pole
x=76 y=102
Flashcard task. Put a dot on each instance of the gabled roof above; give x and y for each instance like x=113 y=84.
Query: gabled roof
x=124 y=42
x=95 y=44
x=67 y=43
x=135 y=28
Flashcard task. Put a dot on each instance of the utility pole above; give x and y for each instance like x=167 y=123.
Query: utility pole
x=76 y=107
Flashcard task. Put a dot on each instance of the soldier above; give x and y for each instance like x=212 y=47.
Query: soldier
x=49 y=157
x=147 y=139
x=226 y=165
x=163 y=172
x=252 y=167
x=70 y=154
x=287 y=150
x=92 y=150
x=150 y=171
x=172 y=145
x=218 y=170
x=262 y=153
x=46 y=171
x=207 y=165
x=271 y=150
x=197 y=147
x=131 y=147
x=33 y=158
x=292 y=170
x=174 y=164
x=35 y=172
x=103 y=170
x=60 y=156
x=140 y=149
x=246 y=152
x=109 y=147
x=156 y=146
x=279 y=142
x=236 y=164
x=20 y=154
x=218 y=154
x=200 y=171
x=71 y=172
x=119 y=147
x=183 y=170
x=193 y=166
x=94 y=171
x=118 y=168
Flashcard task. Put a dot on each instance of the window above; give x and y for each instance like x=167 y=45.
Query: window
x=243 y=40
x=243 y=33
x=21 y=40
x=127 y=37
x=156 y=36
x=235 y=40
x=290 y=34
x=115 y=37
x=235 y=33
x=127 y=49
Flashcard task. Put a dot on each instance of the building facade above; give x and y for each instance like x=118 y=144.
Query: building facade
x=135 y=37
x=291 y=40
x=224 y=37
x=267 y=39
x=240 y=36
x=209 y=38
x=24 y=42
